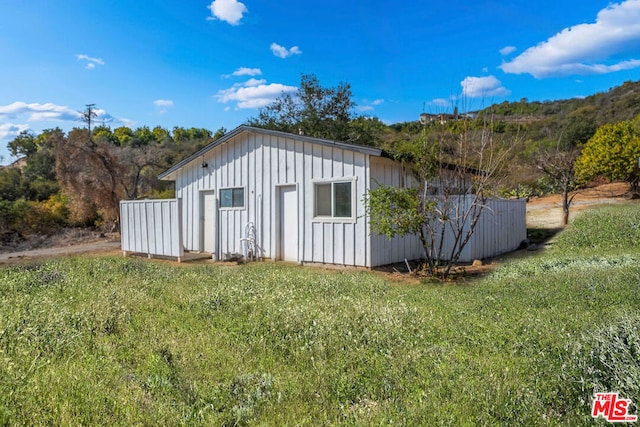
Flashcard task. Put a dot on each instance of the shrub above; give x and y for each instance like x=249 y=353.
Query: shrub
x=24 y=216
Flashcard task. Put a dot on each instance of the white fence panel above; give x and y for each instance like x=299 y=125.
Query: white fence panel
x=152 y=227
x=501 y=228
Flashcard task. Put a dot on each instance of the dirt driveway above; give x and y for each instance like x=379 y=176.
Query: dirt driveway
x=67 y=243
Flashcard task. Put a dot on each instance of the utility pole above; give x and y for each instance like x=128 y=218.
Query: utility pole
x=88 y=114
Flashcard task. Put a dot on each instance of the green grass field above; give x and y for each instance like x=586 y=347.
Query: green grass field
x=114 y=341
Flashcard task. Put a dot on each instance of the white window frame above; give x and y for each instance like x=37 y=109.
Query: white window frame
x=331 y=218
x=234 y=208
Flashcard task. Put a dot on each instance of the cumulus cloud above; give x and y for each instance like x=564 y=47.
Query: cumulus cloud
x=255 y=82
x=39 y=112
x=48 y=112
x=91 y=62
x=10 y=130
x=283 y=52
x=481 y=87
x=585 y=48
x=507 y=50
x=253 y=93
x=369 y=105
x=364 y=108
x=245 y=71
x=230 y=11
x=440 y=102
x=127 y=122
x=163 y=103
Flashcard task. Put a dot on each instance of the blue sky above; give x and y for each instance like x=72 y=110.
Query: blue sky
x=198 y=63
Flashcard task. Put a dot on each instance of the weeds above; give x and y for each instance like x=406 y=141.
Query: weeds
x=124 y=341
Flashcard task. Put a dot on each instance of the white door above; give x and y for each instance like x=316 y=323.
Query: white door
x=209 y=226
x=288 y=224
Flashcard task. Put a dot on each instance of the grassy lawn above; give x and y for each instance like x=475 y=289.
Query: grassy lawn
x=115 y=341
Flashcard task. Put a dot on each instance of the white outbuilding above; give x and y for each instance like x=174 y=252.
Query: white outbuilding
x=274 y=195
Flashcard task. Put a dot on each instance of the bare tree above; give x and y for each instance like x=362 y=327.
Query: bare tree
x=559 y=165
x=96 y=175
x=456 y=166
x=88 y=173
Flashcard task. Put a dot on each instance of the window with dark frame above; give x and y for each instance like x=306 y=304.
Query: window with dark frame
x=232 y=198
x=333 y=200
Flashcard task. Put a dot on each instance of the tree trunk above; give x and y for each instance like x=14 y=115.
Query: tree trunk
x=565 y=205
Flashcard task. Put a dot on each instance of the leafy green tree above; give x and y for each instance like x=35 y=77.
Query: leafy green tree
x=613 y=152
x=219 y=133
x=322 y=112
x=143 y=135
x=198 y=133
x=161 y=134
x=124 y=135
x=23 y=145
x=180 y=134
x=12 y=186
x=579 y=125
x=368 y=131
x=36 y=179
x=104 y=133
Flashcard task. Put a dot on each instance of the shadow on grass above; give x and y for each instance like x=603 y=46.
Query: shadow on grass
x=540 y=236
x=468 y=273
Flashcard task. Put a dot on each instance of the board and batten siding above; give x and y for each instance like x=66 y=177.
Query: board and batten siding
x=388 y=173
x=501 y=227
x=151 y=227
x=262 y=164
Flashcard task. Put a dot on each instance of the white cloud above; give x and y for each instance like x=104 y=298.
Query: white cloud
x=481 y=87
x=507 y=50
x=10 y=130
x=364 y=108
x=441 y=102
x=127 y=122
x=39 y=112
x=91 y=62
x=253 y=93
x=369 y=105
x=163 y=103
x=584 y=48
x=255 y=82
x=230 y=11
x=244 y=71
x=48 y=112
x=283 y=52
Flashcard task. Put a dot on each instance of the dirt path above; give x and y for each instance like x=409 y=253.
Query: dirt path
x=546 y=212
x=93 y=247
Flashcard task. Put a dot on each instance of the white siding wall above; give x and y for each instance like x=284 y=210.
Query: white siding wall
x=388 y=173
x=262 y=163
